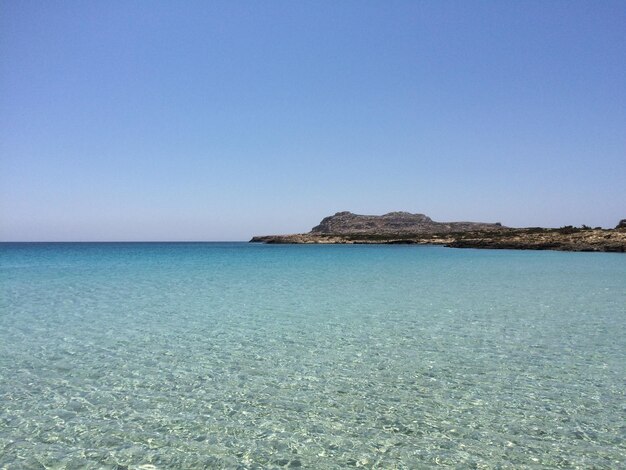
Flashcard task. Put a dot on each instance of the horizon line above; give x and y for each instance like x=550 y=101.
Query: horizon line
x=124 y=241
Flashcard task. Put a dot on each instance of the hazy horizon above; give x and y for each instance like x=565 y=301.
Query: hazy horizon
x=225 y=240
x=197 y=121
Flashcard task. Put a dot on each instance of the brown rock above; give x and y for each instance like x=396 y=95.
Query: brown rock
x=344 y=223
x=407 y=228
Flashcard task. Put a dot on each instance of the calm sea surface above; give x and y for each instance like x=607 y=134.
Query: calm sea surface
x=194 y=355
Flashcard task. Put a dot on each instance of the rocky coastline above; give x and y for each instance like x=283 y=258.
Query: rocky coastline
x=406 y=228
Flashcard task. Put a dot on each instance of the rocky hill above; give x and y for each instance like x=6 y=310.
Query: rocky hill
x=347 y=223
x=407 y=228
x=394 y=227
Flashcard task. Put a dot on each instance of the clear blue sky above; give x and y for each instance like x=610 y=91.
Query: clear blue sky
x=207 y=120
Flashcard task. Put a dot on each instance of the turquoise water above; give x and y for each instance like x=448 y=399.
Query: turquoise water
x=259 y=356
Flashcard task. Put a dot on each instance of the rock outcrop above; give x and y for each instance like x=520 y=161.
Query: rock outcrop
x=560 y=239
x=347 y=223
x=406 y=228
x=394 y=227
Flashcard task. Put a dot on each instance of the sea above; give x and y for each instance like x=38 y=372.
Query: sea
x=237 y=355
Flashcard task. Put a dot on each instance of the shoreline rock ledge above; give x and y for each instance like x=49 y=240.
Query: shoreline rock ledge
x=407 y=228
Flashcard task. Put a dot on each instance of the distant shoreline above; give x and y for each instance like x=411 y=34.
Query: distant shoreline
x=417 y=229
x=593 y=240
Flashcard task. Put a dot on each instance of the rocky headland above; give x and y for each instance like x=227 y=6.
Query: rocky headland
x=407 y=228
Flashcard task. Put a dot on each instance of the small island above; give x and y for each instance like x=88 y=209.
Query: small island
x=408 y=228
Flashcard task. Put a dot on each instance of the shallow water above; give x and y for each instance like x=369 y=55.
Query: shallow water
x=240 y=355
